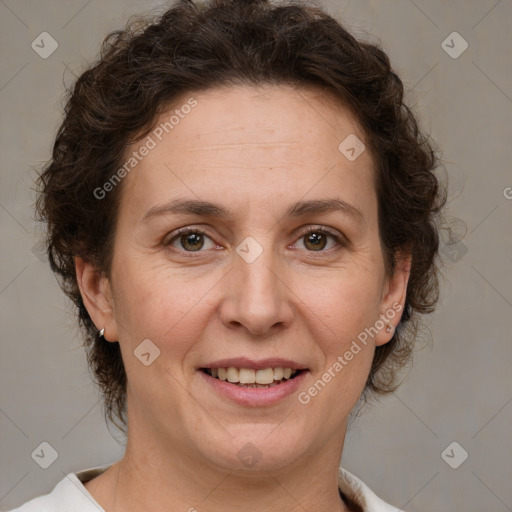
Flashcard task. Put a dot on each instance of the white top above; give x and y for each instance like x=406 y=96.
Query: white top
x=71 y=495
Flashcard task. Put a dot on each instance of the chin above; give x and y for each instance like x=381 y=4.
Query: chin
x=254 y=447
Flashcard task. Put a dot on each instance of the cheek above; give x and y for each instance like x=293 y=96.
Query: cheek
x=161 y=304
x=340 y=304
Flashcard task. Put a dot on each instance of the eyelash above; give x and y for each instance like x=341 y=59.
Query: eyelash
x=340 y=241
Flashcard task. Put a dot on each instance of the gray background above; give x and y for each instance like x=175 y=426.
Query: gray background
x=460 y=388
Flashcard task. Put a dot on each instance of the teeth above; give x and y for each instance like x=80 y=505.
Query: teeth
x=233 y=375
x=266 y=376
x=246 y=376
x=251 y=377
x=278 y=373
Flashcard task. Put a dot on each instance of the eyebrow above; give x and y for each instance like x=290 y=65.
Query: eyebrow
x=208 y=209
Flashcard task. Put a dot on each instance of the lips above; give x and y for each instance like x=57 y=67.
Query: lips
x=249 y=373
x=249 y=377
x=254 y=383
x=244 y=362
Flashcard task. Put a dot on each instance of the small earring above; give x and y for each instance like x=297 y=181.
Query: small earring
x=389 y=328
x=101 y=333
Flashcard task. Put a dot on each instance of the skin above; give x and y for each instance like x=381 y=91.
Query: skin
x=254 y=151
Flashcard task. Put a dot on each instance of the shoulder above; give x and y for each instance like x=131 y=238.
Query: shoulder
x=40 y=504
x=68 y=494
x=360 y=494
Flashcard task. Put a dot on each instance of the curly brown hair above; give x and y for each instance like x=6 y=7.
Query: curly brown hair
x=194 y=46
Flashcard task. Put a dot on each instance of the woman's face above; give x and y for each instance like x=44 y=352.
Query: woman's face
x=249 y=171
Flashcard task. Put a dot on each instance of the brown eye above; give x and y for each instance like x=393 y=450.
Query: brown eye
x=315 y=241
x=190 y=240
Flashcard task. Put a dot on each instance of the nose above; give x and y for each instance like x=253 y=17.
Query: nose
x=257 y=297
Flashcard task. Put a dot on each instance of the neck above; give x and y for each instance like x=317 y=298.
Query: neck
x=150 y=481
x=150 y=478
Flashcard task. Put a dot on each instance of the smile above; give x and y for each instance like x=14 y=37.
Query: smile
x=250 y=387
x=251 y=378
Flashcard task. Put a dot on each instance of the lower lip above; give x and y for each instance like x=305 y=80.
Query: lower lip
x=254 y=397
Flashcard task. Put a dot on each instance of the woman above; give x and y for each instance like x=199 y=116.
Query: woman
x=243 y=211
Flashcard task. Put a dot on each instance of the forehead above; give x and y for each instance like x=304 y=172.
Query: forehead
x=274 y=113
x=274 y=139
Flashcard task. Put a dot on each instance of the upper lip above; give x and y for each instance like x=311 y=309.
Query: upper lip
x=244 y=362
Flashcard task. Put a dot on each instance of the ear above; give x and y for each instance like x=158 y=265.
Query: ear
x=393 y=298
x=96 y=293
